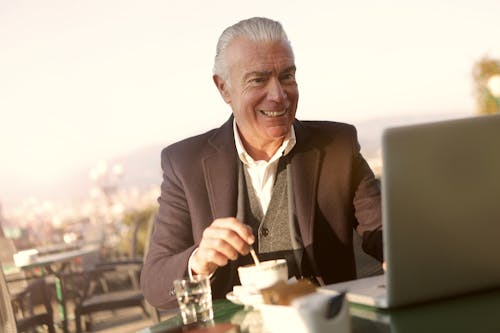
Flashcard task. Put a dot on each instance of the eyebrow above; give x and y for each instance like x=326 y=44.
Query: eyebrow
x=268 y=73
x=256 y=73
x=289 y=69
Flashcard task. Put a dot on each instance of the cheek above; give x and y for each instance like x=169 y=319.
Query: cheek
x=293 y=94
x=248 y=101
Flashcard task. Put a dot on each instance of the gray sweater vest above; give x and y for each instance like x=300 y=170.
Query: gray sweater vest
x=272 y=230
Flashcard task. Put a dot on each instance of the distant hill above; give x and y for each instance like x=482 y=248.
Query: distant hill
x=370 y=130
x=141 y=169
x=142 y=166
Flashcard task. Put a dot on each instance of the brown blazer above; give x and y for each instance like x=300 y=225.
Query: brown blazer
x=335 y=192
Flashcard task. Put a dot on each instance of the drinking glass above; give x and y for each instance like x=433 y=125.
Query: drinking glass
x=194 y=296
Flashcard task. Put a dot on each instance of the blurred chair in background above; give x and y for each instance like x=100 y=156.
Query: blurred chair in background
x=7 y=321
x=19 y=311
x=26 y=313
x=15 y=277
x=109 y=285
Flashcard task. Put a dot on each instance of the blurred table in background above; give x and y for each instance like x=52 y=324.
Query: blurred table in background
x=58 y=259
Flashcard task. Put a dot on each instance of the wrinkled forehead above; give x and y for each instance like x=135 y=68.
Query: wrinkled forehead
x=245 y=54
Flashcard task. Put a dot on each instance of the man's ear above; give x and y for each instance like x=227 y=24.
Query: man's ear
x=222 y=86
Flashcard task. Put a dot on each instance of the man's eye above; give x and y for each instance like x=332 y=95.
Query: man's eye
x=257 y=80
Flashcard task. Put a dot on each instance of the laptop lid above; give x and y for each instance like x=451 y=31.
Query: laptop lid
x=441 y=213
x=441 y=208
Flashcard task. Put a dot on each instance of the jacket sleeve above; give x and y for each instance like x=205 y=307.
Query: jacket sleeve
x=367 y=205
x=171 y=241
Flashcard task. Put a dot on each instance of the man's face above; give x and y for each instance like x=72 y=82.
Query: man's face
x=262 y=92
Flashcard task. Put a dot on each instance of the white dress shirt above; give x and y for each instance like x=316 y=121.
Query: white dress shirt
x=263 y=173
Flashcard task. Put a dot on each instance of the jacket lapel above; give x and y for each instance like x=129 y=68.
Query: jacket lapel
x=305 y=167
x=220 y=167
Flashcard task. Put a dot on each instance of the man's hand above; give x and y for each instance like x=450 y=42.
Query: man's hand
x=225 y=239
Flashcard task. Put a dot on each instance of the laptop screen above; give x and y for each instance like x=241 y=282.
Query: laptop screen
x=441 y=208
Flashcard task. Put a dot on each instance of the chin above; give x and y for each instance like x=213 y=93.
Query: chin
x=278 y=132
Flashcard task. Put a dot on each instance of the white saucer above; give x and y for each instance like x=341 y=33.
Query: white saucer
x=232 y=297
x=245 y=299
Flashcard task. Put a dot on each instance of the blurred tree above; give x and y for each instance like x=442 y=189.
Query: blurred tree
x=482 y=71
x=137 y=221
x=1 y=222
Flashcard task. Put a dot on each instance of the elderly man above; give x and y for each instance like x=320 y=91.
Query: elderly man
x=288 y=188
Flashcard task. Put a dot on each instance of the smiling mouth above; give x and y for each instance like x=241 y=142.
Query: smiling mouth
x=273 y=114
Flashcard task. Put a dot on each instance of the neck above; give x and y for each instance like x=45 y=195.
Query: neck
x=264 y=151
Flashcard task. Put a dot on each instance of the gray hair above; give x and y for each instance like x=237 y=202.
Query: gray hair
x=254 y=29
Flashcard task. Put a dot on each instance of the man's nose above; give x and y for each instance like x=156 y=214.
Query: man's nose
x=275 y=91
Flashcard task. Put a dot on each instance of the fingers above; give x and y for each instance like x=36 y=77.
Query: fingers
x=229 y=246
x=244 y=231
x=225 y=239
x=206 y=261
x=229 y=236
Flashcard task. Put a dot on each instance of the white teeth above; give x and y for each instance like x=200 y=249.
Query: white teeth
x=273 y=113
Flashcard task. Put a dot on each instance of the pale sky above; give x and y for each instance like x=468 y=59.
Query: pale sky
x=86 y=80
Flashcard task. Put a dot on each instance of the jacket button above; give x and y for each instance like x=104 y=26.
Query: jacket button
x=264 y=232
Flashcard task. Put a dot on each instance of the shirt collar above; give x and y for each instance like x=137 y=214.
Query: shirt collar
x=283 y=150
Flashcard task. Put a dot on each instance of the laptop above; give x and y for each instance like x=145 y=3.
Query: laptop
x=440 y=213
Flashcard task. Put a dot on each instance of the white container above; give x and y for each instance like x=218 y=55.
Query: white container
x=307 y=314
x=26 y=257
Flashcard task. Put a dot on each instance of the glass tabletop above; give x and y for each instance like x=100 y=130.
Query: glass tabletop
x=224 y=312
x=479 y=312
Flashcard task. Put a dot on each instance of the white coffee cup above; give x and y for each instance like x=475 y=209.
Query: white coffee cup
x=263 y=275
